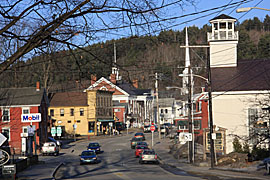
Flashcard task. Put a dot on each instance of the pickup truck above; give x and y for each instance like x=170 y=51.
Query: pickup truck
x=50 y=148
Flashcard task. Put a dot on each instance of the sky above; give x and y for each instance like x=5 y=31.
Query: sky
x=209 y=4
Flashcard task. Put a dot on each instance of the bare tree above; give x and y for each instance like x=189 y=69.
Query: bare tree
x=27 y=26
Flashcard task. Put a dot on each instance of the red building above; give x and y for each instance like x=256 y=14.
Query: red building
x=200 y=117
x=16 y=103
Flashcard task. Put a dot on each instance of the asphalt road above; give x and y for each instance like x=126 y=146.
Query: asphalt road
x=117 y=161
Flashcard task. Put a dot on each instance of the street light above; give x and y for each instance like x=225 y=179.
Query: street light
x=246 y=9
x=185 y=75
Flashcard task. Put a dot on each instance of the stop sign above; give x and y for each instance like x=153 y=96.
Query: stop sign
x=152 y=128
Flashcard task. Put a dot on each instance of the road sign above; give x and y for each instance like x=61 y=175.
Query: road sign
x=59 y=131
x=9 y=169
x=2 y=139
x=53 y=131
x=185 y=136
x=4 y=157
x=152 y=128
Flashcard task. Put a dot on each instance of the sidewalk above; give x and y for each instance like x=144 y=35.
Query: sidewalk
x=162 y=149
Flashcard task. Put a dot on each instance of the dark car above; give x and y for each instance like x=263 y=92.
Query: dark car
x=142 y=143
x=139 y=135
x=94 y=146
x=134 y=141
x=88 y=156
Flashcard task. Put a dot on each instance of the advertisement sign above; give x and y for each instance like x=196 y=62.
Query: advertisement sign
x=34 y=117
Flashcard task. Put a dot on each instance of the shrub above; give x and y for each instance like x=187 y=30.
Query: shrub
x=237 y=147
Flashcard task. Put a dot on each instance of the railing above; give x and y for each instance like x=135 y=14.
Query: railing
x=222 y=35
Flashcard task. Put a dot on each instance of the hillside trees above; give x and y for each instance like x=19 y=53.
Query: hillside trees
x=29 y=26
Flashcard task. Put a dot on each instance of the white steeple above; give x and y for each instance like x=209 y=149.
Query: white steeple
x=115 y=70
x=186 y=74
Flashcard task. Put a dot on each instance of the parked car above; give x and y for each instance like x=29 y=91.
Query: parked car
x=94 y=146
x=88 y=156
x=134 y=141
x=139 y=150
x=139 y=135
x=148 y=156
x=58 y=142
x=50 y=148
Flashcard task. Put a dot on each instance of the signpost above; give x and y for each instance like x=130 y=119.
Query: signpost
x=59 y=130
x=53 y=131
x=152 y=128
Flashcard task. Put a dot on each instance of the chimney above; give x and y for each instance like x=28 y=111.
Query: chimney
x=113 y=78
x=135 y=83
x=93 y=78
x=37 y=86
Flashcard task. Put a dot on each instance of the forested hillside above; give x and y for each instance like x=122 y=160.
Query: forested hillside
x=137 y=58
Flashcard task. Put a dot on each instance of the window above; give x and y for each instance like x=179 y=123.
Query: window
x=161 y=111
x=78 y=121
x=62 y=112
x=229 y=25
x=52 y=112
x=116 y=110
x=81 y=112
x=197 y=124
x=215 y=26
x=72 y=112
x=222 y=25
x=91 y=127
x=6 y=115
x=166 y=111
x=26 y=110
x=182 y=125
x=24 y=129
x=6 y=132
x=69 y=121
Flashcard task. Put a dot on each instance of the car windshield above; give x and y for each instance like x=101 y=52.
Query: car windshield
x=142 y=147
x=149 y=152
x=138 y=134
x=93 y=144
x=137 y=139
x=88 y=153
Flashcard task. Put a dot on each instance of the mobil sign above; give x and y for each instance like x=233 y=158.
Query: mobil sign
x=35 y=117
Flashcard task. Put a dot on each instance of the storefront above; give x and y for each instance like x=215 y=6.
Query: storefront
x=105 y=126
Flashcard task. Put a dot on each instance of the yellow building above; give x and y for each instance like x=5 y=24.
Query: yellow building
x=83 y=113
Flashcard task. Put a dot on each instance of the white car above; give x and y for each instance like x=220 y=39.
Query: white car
x=50 y=148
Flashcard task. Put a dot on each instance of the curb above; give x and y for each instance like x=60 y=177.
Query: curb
x=55 y=170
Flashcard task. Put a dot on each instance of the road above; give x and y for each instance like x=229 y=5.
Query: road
x=117 y=161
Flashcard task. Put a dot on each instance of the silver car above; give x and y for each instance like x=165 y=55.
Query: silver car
x=148 y=155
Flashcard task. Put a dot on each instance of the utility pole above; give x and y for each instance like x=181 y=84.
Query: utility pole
x=212 y=152
x=156 y=85
x=190 y=143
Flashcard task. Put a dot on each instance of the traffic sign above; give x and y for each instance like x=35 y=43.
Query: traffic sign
x=152 y=128
x=185 y=136
x=53 y=131
x=2 y=139
x=59 y=130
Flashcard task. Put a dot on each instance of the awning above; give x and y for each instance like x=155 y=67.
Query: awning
x=105 y=120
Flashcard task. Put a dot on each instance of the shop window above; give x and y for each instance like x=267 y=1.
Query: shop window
x=91 y=127
x=62 y=112
x=183 y=125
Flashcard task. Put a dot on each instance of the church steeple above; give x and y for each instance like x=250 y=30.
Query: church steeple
x=223 y=40
x=115 y=70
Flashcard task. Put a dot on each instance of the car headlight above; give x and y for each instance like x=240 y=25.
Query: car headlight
x=82 y=158
x=94 y=158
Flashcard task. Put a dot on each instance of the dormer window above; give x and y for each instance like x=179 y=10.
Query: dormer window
x=215 y=26
x=229 y=25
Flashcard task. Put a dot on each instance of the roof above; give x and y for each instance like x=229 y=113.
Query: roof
x=130 y=89
x=249 y=75
x=69 y=99
x=222 y=16
x=21 y=96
